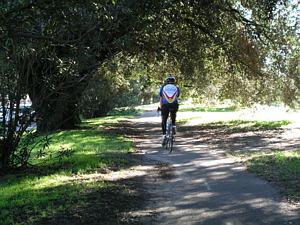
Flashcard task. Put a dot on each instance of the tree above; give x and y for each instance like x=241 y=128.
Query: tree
x=14 y=121
x=61 y=44
x=68 y=50
x=117 y=83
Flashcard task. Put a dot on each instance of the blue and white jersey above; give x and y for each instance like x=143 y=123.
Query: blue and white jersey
x=169 y=94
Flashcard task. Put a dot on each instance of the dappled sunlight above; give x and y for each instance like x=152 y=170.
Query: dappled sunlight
x=95 y=188
x=84 y=148
x=203 y=186
x=27 y=188
x=101 y=120
x=61 y=146
x=183 y=208
x=260 y=113
x=50 y=181
x=216 y=175
x=113 y=175
x=194 y=184
x=256 y=202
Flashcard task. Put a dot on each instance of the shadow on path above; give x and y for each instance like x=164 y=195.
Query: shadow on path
x=198 y=185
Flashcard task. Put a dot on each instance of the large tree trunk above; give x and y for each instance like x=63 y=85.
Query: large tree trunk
x=3 y=157
x=7 y=147
x=55 y=96
x=60 y=113
x=56 y=111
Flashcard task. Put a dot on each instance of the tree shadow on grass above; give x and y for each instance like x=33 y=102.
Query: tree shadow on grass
x=82 y=201
x=82 y=150
x=79 y=201
x=239 y=139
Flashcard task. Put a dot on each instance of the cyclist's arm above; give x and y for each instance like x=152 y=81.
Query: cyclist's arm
x=178 y=91
x=160 y=102
x=160 y=97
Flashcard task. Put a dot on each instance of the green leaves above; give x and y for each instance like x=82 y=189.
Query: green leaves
x=220 y=47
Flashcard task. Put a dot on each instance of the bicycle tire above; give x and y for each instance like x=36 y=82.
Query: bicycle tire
x=170 y=145
x=166 y=143
x=168 y=133
x=171 y=142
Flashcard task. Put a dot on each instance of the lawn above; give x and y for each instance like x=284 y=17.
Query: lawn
x=188 y=106
x=251 y=124
x=64 y=184
x=281 y=168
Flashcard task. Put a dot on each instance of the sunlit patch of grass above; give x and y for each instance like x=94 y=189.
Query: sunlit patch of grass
x=102 y=121
x=18 y=191
x=90 y=149
x=126 y=111
x=50 y=188
x=29 y=199
x=186 y=120
x=266 y=125
x=207 y=109
x=280 y=167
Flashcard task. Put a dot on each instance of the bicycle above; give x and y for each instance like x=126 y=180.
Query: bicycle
x=170 y=135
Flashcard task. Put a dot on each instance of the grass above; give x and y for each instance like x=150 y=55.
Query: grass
x=186 y=120
x=280 y=167
x=125 y=111
x=260 y=125
x=54 y=187
x=196 y=108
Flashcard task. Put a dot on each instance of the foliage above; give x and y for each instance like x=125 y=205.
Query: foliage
x=115 y=85
x=14 y=118
x=205 y=41
x=28 y=143
x=220 y=48
x=54 y=53
x=281 y=62
x=255 y=78
x=125 y=111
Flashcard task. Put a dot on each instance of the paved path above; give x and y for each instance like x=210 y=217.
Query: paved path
x=203 y=187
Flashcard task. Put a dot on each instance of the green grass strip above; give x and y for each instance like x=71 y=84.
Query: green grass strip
x=207 y=109
x=51 y=188
x=264 y=125
x=280 y=167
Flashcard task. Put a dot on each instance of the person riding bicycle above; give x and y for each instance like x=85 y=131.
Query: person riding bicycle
x=169 y=94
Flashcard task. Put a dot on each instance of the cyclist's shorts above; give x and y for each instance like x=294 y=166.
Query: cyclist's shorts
x=171 y=107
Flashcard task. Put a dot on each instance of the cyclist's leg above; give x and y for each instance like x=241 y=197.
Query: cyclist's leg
x=173 y=113
x=164 y=117
x=173 y=116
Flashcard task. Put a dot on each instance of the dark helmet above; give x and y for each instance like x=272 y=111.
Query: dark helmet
x=170 y=79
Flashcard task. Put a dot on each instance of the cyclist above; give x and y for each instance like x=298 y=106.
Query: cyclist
x=169 y=94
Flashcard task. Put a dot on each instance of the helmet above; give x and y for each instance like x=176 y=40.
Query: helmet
x=170 y=79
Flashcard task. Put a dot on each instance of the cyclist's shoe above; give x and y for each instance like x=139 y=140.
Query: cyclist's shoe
x=174 y=129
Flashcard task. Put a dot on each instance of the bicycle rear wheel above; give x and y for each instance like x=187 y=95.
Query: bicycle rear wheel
x=171 y=143
x=168 y=135
x=166 y=146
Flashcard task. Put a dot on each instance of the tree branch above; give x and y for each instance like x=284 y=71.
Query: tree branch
x=55 y=40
